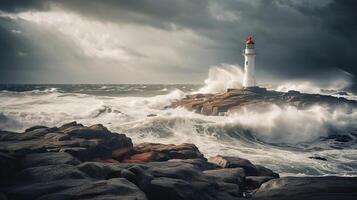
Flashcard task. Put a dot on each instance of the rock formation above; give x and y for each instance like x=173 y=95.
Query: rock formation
x=79 y=162
x=234 y=99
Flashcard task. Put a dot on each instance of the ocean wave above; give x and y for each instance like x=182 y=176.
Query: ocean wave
x=275 y=136
x=220 y=78
x=33 y=91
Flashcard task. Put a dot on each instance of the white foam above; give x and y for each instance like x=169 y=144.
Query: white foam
x=222 y=77
x=290 y=125
x=212 y=134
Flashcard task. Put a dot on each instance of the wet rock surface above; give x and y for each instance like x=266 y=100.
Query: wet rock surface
x=309 y=188
x=234 y=99
x=80 y=162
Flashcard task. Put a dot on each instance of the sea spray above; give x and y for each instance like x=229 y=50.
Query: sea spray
x=278 y=137
x=222 y=77
x=276 y=124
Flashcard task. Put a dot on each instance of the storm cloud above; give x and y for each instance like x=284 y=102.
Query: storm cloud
x=173 y=41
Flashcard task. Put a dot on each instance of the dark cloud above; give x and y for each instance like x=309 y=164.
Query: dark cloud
x=20 y=5
x=295 y=38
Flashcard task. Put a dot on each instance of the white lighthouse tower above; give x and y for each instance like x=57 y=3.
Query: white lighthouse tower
x=249 y=64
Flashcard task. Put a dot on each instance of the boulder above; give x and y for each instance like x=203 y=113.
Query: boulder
x=30 y=134
x=35 y=127
x=96 y=131
x=142 y=177
x=35 y=190
x=85 y=143
x=229 y=188
x=200 y=163
x=162 y=152
x=48 y=173
x=253 y=182
x=164 y=188
x=117 y=188
x=112 y=189
x=145 y=157
x=233 y=162
x=35 y=133
x=228 y=175
x=183 y=171
x=48 y=158
x=69 y=125
x=81 y=153
x=21 y=148
x=307 y=188
x=106 y=160
x=122 y=153
x=100 y=170
x=263 y=171
x=8 y=136
x=128 y=175
x=175 y=180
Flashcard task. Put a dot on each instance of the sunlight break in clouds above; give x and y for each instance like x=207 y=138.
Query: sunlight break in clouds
x=114 y=41
x=90 y=36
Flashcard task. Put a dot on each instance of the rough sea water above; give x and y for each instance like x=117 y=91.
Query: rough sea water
x=282 y=139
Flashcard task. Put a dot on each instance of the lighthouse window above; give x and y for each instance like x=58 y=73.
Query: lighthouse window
x=246 y=62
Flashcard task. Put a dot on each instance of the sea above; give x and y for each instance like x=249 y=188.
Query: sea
x=281 y=138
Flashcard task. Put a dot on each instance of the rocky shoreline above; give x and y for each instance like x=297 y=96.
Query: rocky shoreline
x=235 y=99
x=78 y=162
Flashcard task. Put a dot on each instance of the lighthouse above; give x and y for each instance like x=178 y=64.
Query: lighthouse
x=249 y=64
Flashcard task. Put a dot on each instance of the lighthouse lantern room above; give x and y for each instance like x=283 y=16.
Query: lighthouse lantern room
x=249 y=64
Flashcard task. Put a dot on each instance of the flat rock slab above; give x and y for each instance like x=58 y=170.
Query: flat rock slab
x=112 y=189
x=48 y=158
x=234 y=99
x=48 y=173
x=151 y=152
x=307 y=188
x=233 y=162
x=228 y=175
x=100 y=170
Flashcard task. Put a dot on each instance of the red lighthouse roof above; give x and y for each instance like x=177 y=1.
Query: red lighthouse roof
x=250 y=41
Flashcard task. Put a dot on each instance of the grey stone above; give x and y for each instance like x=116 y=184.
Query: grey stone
x=49 y=173
x=200 y=163
x=230 y=188
x=117 y=188
x=34 y=190
x=228 y=175
x=253 y=182
x=112 y=189
x=21 y=148
x=308 y=188
x=214 y=104
x=164 y=188
x=128 y=175
x=263 y=171
x=35 y=127
x=48 y=158
x=233 y=162
x=100 y=170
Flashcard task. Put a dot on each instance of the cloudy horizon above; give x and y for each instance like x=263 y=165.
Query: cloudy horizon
x=48 y=41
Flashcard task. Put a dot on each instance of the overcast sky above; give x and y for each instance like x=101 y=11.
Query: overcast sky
x=175 y=41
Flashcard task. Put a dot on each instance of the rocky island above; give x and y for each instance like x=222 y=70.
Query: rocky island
x=79 y=162
x=234 y=99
